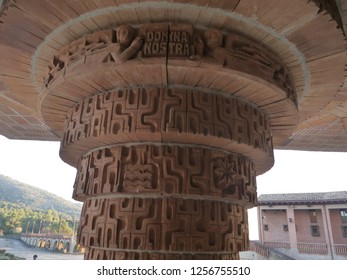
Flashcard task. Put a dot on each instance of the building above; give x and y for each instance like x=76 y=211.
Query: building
x=305 y=225
x=170 y=109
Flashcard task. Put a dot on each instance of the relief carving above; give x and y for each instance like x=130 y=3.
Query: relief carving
x=195 y=47
x=126 y=47
x=52 y=70
x=213 y=44
x=282 y=77
x=166 y=170
x=160 y=214
x=123 y=115
x=249 y=52
x=184 y=196
x=225 y=175
x=167 y=40
x=167 y=228
x=242 y=54
x=138 y=176
x=113 y=45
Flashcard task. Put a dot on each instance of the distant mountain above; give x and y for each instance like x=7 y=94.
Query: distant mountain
x=23 y=195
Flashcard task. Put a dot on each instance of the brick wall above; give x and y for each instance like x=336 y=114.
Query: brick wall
x=303 y=227
x=336 y=227
x=275 y=220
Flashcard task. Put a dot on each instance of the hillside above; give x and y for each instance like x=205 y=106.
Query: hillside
x=22 y=196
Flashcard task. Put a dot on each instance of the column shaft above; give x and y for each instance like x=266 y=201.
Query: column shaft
x=165 y=173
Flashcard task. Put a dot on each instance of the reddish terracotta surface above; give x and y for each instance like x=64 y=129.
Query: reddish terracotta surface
x=170 y=109
x=169 y=115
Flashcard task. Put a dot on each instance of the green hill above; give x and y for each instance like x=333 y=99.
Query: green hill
x=20 y=195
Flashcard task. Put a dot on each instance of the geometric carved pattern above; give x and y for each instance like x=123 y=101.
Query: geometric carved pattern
x=159 y=202
x=175 y=177
x=168 y=54
x=162 y=228
x=165 y=171
x=182 y=171
x=163 y=114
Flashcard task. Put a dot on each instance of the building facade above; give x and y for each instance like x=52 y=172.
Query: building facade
x=305 y=225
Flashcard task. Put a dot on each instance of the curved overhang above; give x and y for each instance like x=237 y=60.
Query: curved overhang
x=304 y=38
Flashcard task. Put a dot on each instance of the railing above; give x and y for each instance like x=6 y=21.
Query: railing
x=340 y=249
x=313 y=248
x=284 y=245
x=45 y=235
x=259 y=248
x=303 y=248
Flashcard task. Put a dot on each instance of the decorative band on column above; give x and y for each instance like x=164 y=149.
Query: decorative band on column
x=156 y=171
x=143 y=228
x=169 y=115
x=164 y=202
x=102 y=254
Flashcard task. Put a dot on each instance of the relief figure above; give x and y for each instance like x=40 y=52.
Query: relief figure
x=208 y=45
x=126 y=47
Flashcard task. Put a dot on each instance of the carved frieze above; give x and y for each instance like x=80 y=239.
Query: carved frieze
x=172 y=115
x=167 y=228
x=164 y=202
x=167 y=40
x=196 y=47
x=166 y=170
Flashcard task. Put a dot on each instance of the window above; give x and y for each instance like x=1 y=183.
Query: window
x=315 y=231
x=285 y=227
x=313 y=216
x=343 y=213
x=344 y=231
x=266 y=227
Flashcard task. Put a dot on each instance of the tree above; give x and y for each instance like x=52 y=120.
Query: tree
x=15 y=219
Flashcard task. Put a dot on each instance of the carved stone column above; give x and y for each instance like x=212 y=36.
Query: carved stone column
x=170 y=185
x=164 y=202
x=167 y=126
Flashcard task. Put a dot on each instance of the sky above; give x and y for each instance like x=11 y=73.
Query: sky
x=37 y=163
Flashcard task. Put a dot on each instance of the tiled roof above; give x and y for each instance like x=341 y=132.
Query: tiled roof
x=303 y=198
